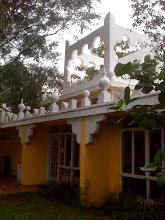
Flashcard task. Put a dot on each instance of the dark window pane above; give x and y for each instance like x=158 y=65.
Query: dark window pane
x=155 y=190
x=76 y=153
x=54 y=155
x=66 y=129
x=54 y=129
x=127 y=151
x=62 y=148
x=155 y=142
x=135 y=186
x=68 y=151
x=139 y=141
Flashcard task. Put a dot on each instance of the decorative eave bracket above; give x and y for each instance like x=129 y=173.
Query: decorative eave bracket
x=28 y=132
x=91 y=127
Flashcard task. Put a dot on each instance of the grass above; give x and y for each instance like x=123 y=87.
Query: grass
x=32 y=206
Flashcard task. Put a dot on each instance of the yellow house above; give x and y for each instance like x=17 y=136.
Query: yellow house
x=75 y=136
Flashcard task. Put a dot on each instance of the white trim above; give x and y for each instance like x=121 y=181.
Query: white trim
x=147 y=175
x=95 y=109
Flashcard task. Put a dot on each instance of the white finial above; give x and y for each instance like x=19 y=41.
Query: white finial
x=27 y=113
x=54 y=97
x=21 y=106
x=54 y=107
x=85 y=101
x=86 y=93
x=104 y=82
x=27 y=108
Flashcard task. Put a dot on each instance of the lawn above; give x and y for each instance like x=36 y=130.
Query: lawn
x=31 y=206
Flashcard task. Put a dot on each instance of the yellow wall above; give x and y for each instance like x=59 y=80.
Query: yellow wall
x=100 y=161
x=34 y=157
x=11 y=147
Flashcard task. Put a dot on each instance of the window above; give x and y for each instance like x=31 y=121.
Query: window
x=137 y=150
x=64 y=155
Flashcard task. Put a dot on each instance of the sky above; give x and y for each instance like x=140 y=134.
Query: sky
x=121 y=9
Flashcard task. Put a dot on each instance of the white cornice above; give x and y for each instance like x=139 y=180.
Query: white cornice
x=150 y=99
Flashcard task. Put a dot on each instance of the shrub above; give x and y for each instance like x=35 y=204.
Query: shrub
x=128 y=206
x=65 y=192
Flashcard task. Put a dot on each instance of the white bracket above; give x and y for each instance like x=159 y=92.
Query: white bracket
x=28 y=133
x=91 y=127
x=76 y=127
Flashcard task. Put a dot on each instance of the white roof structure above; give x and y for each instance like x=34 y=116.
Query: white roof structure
x=109 y=34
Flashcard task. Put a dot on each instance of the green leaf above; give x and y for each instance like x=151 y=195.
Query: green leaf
x=147 y=59
x=152 y=165
x=161 y=98
x=160 y=178
x=114 y=108
x=158 y=157
x=149 y=169
x=147 y=90
x=122 y=69
x=120 y=103
x=146 y=66
x=127 y=95
x=161 y=75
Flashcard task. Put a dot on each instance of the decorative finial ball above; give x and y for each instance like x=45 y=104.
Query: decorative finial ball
x=43 y=97
x=110 y=74
x=86 y=93
x=27 y=108
x=104 y=82
x=21 y=106
x=54 y=97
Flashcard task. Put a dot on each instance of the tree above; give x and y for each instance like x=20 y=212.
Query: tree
x=5 y=18
x=27 y=45
x=148 y=15
x=18 y=83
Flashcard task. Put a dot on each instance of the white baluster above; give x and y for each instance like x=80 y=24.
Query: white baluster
x=54 y=107
x=104 y=83
x=27 y=113
x=21 y=108
x=85 y=101
x=64 y=106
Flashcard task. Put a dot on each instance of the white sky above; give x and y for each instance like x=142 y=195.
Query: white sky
x=121 y=9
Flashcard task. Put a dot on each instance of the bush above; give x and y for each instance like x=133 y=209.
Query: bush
x=128 y=206
x=66 y=192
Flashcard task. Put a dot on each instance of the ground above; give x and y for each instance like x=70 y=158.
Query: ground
x=31 y=206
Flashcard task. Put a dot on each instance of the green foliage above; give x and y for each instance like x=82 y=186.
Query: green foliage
x=5 y=18
x=99 y=51
x=121 y=206
x=66 y=192
x=84 y=194
x=21 y=82
x=123 y=49
x=148 y=16
x=147 y=80
x=8 y=215
x=32 y=206
x=90 y=71
x=157 y=167
x=28 y=41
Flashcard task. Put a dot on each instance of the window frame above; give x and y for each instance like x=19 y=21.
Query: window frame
x=147 y=175
x=72 y=168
